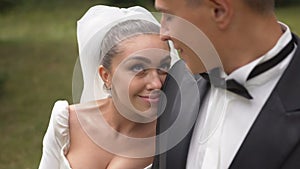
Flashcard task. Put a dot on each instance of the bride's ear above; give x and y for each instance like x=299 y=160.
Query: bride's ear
x=105 y=76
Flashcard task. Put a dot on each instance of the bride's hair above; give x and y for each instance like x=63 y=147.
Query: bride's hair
x=110 y=45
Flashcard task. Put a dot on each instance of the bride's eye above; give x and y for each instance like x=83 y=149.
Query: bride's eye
x=165 y=66
x=163 y=69
x=137 y=68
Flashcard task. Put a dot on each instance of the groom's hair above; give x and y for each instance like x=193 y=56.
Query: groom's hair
x=260 y=6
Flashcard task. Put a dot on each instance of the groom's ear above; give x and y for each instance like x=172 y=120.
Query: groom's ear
x=221 y=12
x=105 y=76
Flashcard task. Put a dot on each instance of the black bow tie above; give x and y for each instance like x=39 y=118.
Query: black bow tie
x=233 y=86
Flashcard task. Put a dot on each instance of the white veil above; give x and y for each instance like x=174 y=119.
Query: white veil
x=91 y=29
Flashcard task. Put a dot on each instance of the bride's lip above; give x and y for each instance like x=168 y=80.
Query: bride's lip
x=151 y=98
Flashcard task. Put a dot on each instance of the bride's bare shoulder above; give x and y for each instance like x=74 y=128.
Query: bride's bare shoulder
x=89 y=106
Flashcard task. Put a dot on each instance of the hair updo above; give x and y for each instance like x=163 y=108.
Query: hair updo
x=110 y=45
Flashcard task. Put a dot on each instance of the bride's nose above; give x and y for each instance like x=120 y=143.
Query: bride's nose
x=154 y=80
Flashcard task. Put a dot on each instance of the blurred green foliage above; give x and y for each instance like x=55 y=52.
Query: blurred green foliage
x=282 y=3
x=3 y=79
x=6 y=5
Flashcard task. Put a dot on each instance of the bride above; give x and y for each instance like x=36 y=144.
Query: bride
x=124 y=65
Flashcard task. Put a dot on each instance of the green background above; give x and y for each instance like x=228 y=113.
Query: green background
x=38 y=52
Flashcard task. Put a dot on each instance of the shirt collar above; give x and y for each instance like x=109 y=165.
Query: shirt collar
x=243 y=72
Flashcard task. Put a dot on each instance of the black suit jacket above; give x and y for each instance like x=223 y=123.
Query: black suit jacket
x=273 y=141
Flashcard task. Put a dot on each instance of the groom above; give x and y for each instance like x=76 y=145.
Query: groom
x=246 y=111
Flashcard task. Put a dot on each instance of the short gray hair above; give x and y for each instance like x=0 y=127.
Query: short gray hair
x=260 y=6
x=110 y=45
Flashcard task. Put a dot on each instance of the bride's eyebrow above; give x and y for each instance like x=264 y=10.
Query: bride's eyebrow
x=165 y=59
x=139 y=58
x=146 y=60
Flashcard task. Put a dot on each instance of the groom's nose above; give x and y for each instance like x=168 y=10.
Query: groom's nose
x=164 y=34
x=164 y=30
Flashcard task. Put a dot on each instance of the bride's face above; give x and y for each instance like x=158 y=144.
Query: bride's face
x=138 y=73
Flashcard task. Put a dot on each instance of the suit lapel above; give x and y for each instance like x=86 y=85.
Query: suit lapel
x=275 y=132
x=180 y=111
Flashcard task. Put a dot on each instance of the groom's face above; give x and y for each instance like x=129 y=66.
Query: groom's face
x=185 y=24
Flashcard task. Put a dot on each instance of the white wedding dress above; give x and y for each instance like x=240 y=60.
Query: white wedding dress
x=56 y=140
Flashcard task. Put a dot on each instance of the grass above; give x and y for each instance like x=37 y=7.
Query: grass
x=290 y=16
x=38 y=51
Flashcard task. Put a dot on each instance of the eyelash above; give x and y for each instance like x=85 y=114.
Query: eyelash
x=165 y=66
x=134 y=67
x=140 y=69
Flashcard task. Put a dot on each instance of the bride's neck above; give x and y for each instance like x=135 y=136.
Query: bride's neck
x=123 y=125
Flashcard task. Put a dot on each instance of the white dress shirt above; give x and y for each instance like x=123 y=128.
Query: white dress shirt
x=225 y=118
